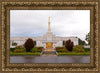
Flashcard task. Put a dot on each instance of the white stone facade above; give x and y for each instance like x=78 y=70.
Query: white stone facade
x=49 y=37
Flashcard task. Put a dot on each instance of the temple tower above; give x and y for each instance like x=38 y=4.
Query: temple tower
x=49 y=29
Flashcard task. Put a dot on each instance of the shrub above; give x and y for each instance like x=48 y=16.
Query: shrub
x=82 y=50
x=25 y=53
x=69 y=45
x=87 y=49
x=64 y=50
x=19 y=47
x=42 y=49
x=19 y=50
x=61 y=49
x=76 y=49
x=14 y=44
x=36 y=49
x=79 y=48
x=12 y=49
x=74 y=53
x=39 y=50
x=29 y=44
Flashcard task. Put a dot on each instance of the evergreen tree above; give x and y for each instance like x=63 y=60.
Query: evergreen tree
x=29 y=44
x=81 y=42
x=88 y=38
x=69 y=45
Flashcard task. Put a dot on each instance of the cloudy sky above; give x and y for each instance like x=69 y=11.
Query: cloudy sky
x=65 y=23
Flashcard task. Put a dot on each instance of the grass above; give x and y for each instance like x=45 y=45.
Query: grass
x=74 y=53
x=24 y=53
x=59 y=53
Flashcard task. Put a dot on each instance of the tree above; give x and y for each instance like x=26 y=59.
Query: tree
x=14 y=44
x=88 y=38
x=69 y=45
x=64 y=43
x=34 y=43
x=29 y=44
x=81 y=42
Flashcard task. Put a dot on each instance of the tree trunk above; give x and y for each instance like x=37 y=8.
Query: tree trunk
x=27 y=50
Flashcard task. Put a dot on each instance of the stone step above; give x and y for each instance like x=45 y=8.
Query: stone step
x=49 y=53
x=50 y=49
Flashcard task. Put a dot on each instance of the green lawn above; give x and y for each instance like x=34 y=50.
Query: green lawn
x=59 y=53
x=24 y=53
x=74 y=53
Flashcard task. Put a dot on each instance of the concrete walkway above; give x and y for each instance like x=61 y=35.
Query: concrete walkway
x=49 y=59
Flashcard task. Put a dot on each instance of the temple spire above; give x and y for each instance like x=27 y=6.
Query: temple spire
x=49 y=19
x=49 y=29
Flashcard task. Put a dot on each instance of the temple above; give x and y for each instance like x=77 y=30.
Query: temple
x=49 y=40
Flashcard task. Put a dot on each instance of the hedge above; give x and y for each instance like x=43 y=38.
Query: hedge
x=12 y=49
x=25 y=53
x=87 y=49
x=74 y=53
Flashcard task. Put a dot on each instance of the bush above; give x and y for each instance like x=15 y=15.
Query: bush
x=60 y=47
x=82 y=50
x=87 y=49
x=19 y=47
x=42 y=49
x=25 y=53
x=14 y=44
x=12 y=49
x=36 y=49
x=79 y=48
x=29 y=44
x=74 y=53
x=69 y=45
x=76 y=49
x=59 y=50
x=63 y=49
x=19 y=50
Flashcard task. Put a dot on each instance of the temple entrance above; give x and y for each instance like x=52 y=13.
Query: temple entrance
x=49 y=45
x=49 y=51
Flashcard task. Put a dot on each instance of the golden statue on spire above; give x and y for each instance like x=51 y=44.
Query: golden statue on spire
x=49 y=18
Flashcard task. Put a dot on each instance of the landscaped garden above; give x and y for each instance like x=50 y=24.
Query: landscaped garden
x=27 y=49
x=20 y=50
x=69 y=49
x=77 y=50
